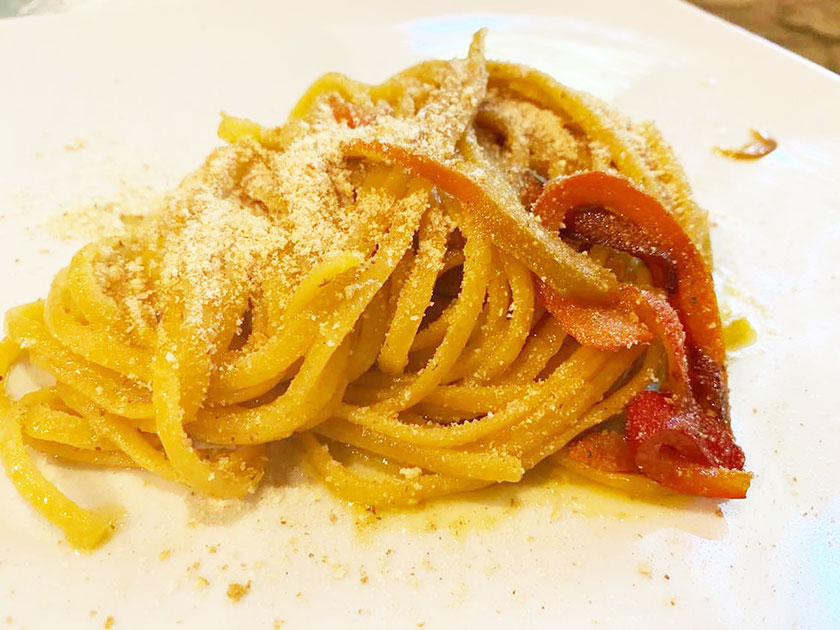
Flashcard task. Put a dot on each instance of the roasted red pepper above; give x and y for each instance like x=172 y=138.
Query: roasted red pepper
x=604 y=326
x=347 y=113
x=683 y=448
x=680 y=436
x=605 y=450
x=656 y=232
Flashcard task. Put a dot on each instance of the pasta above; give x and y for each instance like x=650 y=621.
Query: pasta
x=430 y=285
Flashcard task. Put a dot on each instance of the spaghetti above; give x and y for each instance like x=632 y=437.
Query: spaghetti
x=430 y=285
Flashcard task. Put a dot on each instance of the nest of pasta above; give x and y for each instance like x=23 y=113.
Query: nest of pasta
x=430 y=285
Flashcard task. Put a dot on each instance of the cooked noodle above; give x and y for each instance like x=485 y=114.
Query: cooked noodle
x=362 y=280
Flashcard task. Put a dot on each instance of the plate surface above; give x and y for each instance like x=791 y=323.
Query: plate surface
x=109 y=98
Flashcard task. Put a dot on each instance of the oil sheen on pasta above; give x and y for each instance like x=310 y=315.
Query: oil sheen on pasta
x=301 y=286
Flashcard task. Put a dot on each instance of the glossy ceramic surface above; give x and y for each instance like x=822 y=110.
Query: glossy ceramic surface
x=105 y=98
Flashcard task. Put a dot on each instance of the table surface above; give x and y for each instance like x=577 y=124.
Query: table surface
x=810 y=28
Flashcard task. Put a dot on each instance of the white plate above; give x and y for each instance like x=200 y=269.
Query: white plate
x=140 y=85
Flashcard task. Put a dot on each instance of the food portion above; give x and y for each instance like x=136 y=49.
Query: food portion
x=429 y=285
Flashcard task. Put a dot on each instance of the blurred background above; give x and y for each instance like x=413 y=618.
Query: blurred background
x=810 y=28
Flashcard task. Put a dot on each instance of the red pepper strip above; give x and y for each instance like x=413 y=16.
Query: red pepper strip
x=664 y=437
x=637 y=316
x=605 y=458
x=646 y=227
x=661 y=442
x=657 y=421
x=673 y=443
x=702 y=481
x=602 y=450
x=682 y=440
x=597 y=225
x=604 y=326
x=347 y=113
x=693 y=296
x=660 y=317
